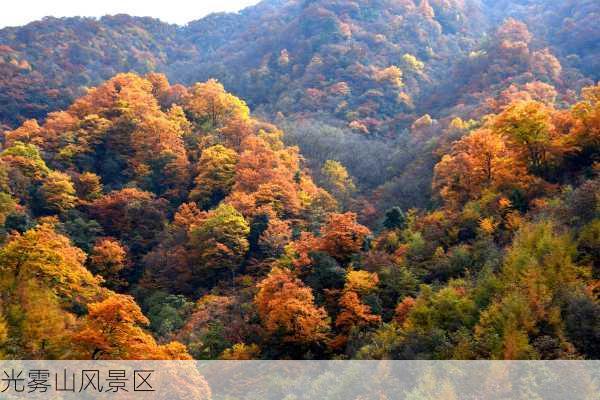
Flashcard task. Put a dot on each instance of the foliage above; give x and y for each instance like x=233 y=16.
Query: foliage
x=216 y=175
x=112 y=331
x=286 y=308
x=57 y=192
x=220 y=241
x=43 y=283
x=458 y=151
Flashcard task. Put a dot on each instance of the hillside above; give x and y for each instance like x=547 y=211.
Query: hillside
x=365 y=72
x=284 y=38
x=367 y=62
x=370 y=179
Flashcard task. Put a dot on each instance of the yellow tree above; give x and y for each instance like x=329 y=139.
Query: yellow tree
x=529 y=128
x=88 y=186
x=216 y=175
x=209 y=102
x=26 y=133
x=159 y=154
x=120 y=129
x=42 y=278
x=57 y=192
x=391 y=75
x=587 y=118
x=337 y=180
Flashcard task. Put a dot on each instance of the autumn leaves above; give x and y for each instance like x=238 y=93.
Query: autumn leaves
x=166 y=188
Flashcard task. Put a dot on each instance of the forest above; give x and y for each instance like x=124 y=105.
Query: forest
x=305 y=179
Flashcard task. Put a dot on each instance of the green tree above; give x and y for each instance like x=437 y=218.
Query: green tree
x=537 y=271
x=394 y=218
x=221 y=240
x=23 y=169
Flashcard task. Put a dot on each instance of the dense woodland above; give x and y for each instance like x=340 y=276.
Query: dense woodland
x=416 y=180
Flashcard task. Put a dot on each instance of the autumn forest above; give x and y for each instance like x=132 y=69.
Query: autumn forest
x=305 y=179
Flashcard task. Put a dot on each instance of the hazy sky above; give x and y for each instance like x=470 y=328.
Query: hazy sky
x=20 y=12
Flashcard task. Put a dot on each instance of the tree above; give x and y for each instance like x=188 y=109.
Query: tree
x=275 y=237
x=169 y=265
x=282 y=199
x=82 y=230
x=241 y=351
x=216 y=175
x=167 y=312
x=528 y=125
x=221 y=240
x=413 y=63
x=337 y=180
x=57 y=192
x=108 y=259
x=582 y=323
x=587 y=121
x=112 y=330
x=438 y=323
x=215 y=324
x=479 y=161
x=286 y=307
x=391 y=74
x=588 y=246
x=353 y=312
x=119 y=131
x=3 y=334
x=210 y=103
x=160 y=160
x=88 y=186
x=24 y=168
x=503 y=329
x=325 y=273
x=18 y=221
x=43 y=282
x=27 y=158
x=361 y=282
x=160 y=87
x=133 y=216
x=394 y=218
x=24 y=134
x=537 y=269
x=341 y=237
x=403 y=308
x=7 y=206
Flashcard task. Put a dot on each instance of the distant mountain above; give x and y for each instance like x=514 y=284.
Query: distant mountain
x=374 y=65
x=570 y=27
x=46 y=64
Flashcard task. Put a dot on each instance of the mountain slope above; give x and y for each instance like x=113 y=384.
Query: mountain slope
x=372 y=62
x=340 y=75
x=326 y=42
x=431 y=189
